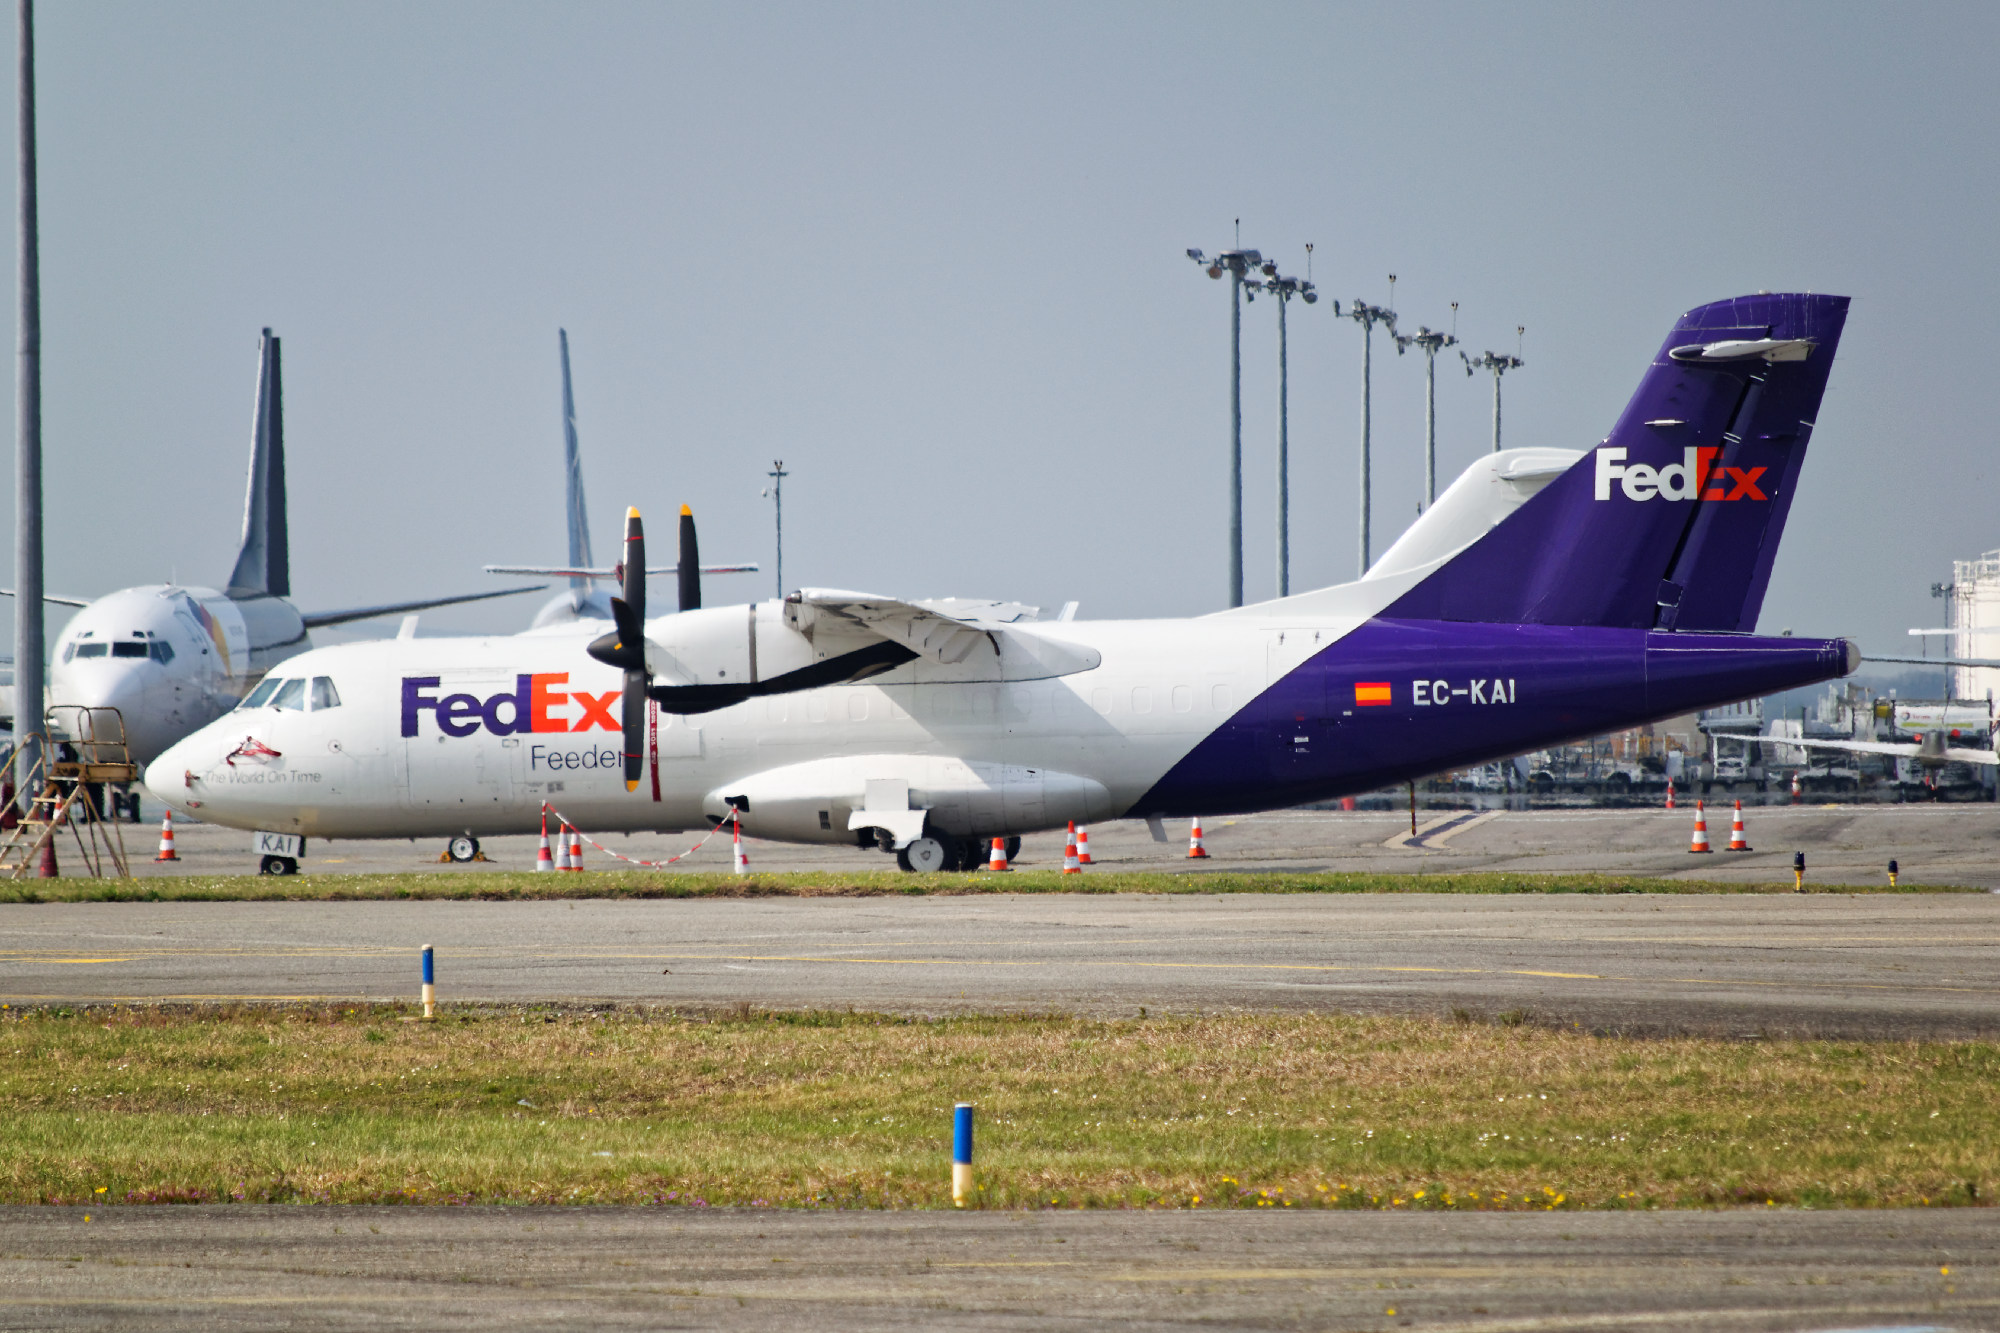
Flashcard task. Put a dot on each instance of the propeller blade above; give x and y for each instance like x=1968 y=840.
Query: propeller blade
x=690 y=564
x=624 y=647
x=635 y=728
x=635 y=566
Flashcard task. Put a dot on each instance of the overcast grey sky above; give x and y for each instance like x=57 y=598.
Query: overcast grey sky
x=931 y=255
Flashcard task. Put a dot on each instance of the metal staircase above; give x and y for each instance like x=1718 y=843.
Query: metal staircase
x=77 y=753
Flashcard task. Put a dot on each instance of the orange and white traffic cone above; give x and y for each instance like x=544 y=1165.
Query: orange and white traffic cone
x=1670 y=793
x=1700 y=843
x=1071 y=866
x=1737 y=842
x=576 y=849
x=1795 y=789
x=1195 y=850
x=741 y=862
x=543 y=861
x=562 y=847
x=167 y=852
x=1083 y=844
x=997 y=860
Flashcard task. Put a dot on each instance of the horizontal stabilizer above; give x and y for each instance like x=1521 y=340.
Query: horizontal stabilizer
x=1936 y=661
x=578 y=572
x=321 y=618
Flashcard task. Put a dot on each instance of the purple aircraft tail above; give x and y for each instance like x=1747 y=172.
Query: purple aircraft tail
x=1673 y=522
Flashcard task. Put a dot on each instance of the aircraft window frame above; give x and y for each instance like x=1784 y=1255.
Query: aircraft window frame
x=323 y=693
x=161 y=651
x=99 y=649
x=291 y=696
x=265 y=689
x=129 y=648
x=69 y=651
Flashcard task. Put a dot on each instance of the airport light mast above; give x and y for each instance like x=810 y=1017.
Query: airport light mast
x=1368 y=316
x=1430 y=343
x=776 y=490
x=1236 y=263
x=1283 y=289
x=1499 y=364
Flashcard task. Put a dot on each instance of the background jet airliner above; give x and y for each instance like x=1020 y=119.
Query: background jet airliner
x=1542 y=599
x=589 y=594
x=172 y=659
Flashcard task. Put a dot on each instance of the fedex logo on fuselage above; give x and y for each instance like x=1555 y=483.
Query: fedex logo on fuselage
x=531 y=706
x=1695 y=477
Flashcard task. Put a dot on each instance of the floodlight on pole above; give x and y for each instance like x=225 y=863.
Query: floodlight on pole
x=1236 y=263
x=1283 y=289
x=1368 y=316
x=1499 y=364
x=1430 y=343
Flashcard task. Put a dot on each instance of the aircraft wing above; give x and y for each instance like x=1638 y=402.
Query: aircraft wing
x=941 y=638
x=1953 y=754
x=51 y=597
x=317 y=619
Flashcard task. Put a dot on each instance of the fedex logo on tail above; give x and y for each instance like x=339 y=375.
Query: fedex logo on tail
x=1695 y=477
x=531 y=706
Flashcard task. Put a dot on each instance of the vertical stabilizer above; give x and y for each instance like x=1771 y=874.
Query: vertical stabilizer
x=263 y=566
x=579 y=521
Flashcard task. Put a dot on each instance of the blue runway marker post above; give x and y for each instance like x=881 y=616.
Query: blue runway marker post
x=430 y=983
x=961 y=1154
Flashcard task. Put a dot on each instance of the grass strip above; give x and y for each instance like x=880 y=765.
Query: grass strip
x=500 y=886
x=359 y=1104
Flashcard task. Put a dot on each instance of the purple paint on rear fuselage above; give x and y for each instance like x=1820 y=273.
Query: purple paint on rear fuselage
x=1304 y=739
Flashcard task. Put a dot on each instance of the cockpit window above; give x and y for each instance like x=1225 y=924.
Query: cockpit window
x=92 y=649
x=163 y=652
x=69 y=651
x=323 y=693
x=263 y=691
x=129 y=648
x=292 y=694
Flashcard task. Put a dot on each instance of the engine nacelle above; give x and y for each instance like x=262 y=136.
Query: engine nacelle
x=827 y=800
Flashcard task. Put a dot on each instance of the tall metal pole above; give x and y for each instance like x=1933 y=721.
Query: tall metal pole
x=1496 y=411
x=1284 y=463
x=28 y=428
x=1367 y=316
x=1236 y=434
x=1367 y=356
x=778 y=474
x=1431 y=343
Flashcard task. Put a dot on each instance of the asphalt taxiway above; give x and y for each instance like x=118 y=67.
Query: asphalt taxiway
x=1942 y=844
x=1813 y=965
x=497 y=1269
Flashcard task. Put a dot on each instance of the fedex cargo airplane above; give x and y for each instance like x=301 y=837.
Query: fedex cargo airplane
x=1547 y=596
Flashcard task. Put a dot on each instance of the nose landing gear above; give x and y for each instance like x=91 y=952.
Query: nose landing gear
x=278 y=865
x=463 y=849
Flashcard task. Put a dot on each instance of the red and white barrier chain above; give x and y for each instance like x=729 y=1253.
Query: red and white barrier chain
x=564 y=820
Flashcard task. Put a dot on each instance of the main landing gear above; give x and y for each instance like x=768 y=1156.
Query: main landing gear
x=278 y=865
x=935 y=853
x=463 y=849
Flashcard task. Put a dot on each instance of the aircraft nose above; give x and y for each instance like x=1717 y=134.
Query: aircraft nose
x=166 y=776
x=120 y=686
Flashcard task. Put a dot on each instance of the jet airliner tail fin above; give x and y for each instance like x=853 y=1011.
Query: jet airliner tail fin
x=264 y=565
x=1673 y=521
x=574 y=507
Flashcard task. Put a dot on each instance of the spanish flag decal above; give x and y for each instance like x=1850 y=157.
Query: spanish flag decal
x=1370 y=693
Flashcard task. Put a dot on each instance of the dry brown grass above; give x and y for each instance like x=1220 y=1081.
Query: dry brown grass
x=358 y=1104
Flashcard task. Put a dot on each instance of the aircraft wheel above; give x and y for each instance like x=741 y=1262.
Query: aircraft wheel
x=462 y=849
x=277 y=865
x=1013 y=849
x=928 y=855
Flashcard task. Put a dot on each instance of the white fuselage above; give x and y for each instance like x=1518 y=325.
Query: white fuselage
x=169 y=659
x=1007 y=756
